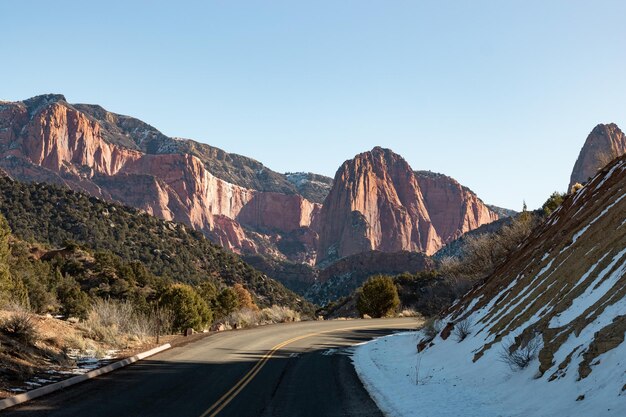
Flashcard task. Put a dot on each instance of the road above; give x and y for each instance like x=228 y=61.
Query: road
x=285 y=370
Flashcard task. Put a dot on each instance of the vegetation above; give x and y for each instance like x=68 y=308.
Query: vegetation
x=378 y=297
x=57 y=217
x=462 y=329
x=519 y=357
x=188 y=308
x=20 y=326
x=554 y=201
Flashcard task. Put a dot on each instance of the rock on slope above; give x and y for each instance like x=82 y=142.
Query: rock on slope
x=561 y=296
x=604 y=143
x=377 y=202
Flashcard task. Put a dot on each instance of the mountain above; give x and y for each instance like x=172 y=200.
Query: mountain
x=55 y=215
x=605 y=143
x=279 y=221
x=378 y=202
x=235 y=200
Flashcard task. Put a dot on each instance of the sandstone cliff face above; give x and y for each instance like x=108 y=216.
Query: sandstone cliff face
x=454 y=210
x=604 y=143
x=47 y=139
x=378 y=203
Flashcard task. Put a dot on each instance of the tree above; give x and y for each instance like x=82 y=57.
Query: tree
x=190 y=311
x=227 y=302
x=11 y=288
x=74 y=302
x=244 y=298
x=378 y=297
x=554 y=201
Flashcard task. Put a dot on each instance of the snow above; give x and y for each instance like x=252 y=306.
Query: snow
x=443 y=381
x=584 y=229
x=594 y=292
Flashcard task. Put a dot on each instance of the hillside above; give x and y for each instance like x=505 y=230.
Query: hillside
x=55 y=215
x=542 y=336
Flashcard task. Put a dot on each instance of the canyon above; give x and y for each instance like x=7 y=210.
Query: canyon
x=375 y=202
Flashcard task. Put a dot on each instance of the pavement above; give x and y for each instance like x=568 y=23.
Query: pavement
x=284 y=370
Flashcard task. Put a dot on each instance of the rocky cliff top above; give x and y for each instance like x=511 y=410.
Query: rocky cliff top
x=605 y=143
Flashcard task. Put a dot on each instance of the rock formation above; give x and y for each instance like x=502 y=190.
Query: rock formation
x=604 y=143
x=378 y=203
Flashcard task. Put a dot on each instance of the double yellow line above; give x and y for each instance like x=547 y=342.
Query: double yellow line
x=239 y=386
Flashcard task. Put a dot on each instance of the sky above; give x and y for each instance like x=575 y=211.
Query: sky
x=497 y=94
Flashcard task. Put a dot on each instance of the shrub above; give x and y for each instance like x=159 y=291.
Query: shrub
x=189 y=310
x=554 y=201
x=244 y=298
x=227 y=302
x=519 y=358
x=74 y=302
x=279 y=314
x=432 y=327
x=21 y=327
x=462 y=329
x=378 y=297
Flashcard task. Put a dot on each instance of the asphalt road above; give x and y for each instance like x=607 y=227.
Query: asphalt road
x=287 y=370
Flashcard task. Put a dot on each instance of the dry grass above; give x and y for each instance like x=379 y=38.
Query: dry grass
x=21 y=327
x=117 y=322
x=247 y=317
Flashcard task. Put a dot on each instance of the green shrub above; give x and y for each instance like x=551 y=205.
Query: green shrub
x=227 y=302
x=188 y=308
x=553 y=202
x=378 y=297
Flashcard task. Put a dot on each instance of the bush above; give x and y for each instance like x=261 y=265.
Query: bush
x=188 y=308
x=227 y=302
x=244 y=298
x=553 y=202
x=432 y=327
x=519 y=358
x=378 y=297
x=74 y=302
x=279 y=314
x=21 y=327
x=462 y=329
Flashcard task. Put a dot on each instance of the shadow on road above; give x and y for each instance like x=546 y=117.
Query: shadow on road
x=311 y=377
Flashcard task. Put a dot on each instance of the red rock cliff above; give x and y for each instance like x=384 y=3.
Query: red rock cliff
x=454 y=209
x=604 y=143
x=378 y=203
x=47 y=139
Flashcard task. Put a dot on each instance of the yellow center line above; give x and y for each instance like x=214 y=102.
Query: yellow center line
x=225 y=399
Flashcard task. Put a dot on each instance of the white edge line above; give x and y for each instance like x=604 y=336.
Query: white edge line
x=38 y=392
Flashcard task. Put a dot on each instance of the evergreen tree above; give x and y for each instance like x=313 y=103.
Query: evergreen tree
x=378 y=297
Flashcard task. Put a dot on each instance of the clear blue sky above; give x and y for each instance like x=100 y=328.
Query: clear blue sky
x=498 y=94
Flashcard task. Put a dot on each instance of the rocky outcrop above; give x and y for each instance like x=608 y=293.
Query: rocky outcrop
x=117 y=158
x=454 y=210
x=378 y=203
x=605 y=143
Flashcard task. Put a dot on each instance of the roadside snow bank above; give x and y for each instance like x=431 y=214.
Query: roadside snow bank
x=442 y=381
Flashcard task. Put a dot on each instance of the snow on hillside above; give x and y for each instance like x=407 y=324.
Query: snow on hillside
x=444 y=382
x=561 y=296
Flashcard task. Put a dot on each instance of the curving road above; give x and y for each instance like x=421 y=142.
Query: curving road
x=286 y=370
